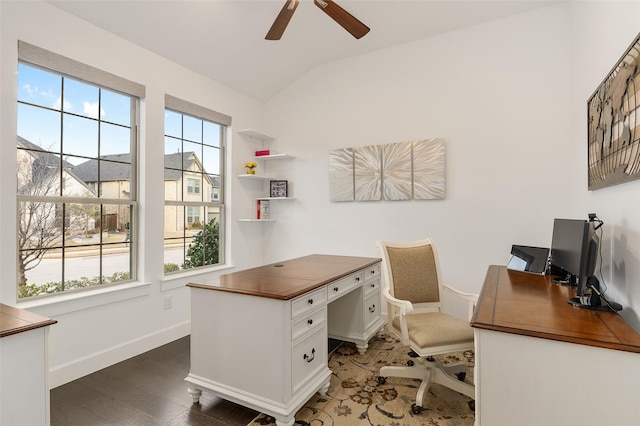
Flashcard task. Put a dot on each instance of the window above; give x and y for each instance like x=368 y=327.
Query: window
x=76 y=175
x=193 y=176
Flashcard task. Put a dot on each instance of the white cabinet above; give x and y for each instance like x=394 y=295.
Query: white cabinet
x=262 y=177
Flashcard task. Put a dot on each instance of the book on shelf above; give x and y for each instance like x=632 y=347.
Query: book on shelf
x=263 y=152
x=263 y=209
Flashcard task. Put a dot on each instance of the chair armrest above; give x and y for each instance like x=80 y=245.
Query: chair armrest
x=471 y=297
x=405 y=306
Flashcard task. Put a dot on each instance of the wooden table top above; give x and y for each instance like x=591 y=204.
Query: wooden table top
x=290 y=278
x=531 y=305
x=15 y=320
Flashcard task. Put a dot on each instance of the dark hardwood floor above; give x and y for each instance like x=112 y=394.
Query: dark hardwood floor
x=148 y=389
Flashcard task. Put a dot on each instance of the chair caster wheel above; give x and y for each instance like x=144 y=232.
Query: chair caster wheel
x=416 y=409
x=382 y=380
x=472 y=406
x=410 y=363
x=461 y=376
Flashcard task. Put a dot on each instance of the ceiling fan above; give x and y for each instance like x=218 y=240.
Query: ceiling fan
x=337 y=13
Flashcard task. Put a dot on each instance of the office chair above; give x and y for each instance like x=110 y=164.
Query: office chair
x=413 y=289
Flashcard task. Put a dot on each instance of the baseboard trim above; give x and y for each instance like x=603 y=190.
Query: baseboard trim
x=80 y=367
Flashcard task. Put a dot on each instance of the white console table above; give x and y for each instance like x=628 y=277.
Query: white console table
x=259 y=337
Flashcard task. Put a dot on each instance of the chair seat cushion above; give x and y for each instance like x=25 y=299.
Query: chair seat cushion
x=436 y=329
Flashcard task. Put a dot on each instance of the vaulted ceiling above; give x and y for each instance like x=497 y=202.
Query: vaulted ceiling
x=225 y=39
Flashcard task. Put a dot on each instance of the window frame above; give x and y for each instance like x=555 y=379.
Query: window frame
x=66 y=68
x=191 y=110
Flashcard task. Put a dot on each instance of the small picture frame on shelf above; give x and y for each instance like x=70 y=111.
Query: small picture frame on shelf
x=278 y=189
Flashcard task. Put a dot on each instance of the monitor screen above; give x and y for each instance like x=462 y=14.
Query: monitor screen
x=574 y=249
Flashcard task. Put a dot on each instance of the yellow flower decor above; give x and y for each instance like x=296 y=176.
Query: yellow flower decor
x=250 y=166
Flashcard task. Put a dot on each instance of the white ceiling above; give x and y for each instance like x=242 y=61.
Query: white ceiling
x=224 y=39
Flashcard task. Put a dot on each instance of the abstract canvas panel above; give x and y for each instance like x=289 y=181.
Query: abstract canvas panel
x=341 y=186
x=397 y=171
x=428 y=170
x=368 y=173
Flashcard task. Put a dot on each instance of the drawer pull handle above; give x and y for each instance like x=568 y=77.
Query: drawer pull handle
x=312 y=357
x=310 y=321
x=310 y=301
x=336 y=289
x=372 y=309
x=357 y=279
x=373 y=272
x=373 y=286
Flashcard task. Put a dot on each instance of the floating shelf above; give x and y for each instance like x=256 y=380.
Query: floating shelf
x=255 y=135
x=273 y=157
x=256 y=220
x=275 y=198
x=256 y=177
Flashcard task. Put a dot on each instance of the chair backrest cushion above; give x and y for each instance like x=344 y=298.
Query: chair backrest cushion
x=415 y=277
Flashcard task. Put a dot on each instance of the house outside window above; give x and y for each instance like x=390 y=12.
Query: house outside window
x=76 y=175
x=195 y=139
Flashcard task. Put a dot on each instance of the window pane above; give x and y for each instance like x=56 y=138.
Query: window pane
x=192 y=156
x=80 y=136
x=39 y=87
x=211 y=160
x=192 y=129
x=172 y=151
x=172 y=124
x=211 y=133
x=40 y=127
x=81 y=99
x=116 y=107
x=114 y=139
x=213 y=191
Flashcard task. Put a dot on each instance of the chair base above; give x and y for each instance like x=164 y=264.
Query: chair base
x=431 y=372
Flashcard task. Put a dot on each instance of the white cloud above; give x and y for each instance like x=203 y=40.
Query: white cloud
x=67 y=105
x=91 y=109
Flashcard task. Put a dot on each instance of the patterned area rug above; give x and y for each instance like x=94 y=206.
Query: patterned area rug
x=356 y=398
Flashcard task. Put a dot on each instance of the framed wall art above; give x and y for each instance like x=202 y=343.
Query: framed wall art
x=278 y=189
x=614 y=124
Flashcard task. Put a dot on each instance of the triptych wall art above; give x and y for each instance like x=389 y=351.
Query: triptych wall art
x=395 y=171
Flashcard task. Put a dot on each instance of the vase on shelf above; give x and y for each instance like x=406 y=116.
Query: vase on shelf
x=251 y=172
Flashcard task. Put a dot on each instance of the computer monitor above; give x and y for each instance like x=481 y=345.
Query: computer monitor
x=574 y=250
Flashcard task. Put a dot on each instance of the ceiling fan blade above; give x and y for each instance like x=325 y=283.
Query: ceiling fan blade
x=342 y=17
x=282 y=20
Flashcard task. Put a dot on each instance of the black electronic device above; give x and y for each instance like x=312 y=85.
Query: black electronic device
x=574 y=249
x=529 y=259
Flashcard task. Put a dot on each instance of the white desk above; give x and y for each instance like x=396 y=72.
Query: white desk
x=541 y=361
x=24 y=390
x=259 y=336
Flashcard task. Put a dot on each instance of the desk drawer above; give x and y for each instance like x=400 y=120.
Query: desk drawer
x=372 y=309
x=371 y=285
x=344 y=285
x=372 y=272
x=308 y=324
x=306 y=303
x=309 y=356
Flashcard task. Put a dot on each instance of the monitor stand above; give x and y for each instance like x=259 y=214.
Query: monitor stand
x=606 y=306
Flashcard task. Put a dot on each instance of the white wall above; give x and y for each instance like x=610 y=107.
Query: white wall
x=509 y=99
x=96 y=331
x=601 y=34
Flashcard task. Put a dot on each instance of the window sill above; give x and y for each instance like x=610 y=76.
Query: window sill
x=66 y=303
x=182 y=278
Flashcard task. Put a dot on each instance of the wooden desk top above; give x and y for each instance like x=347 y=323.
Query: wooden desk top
x=14 y=321
x=289 y=279
x=531 y=305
